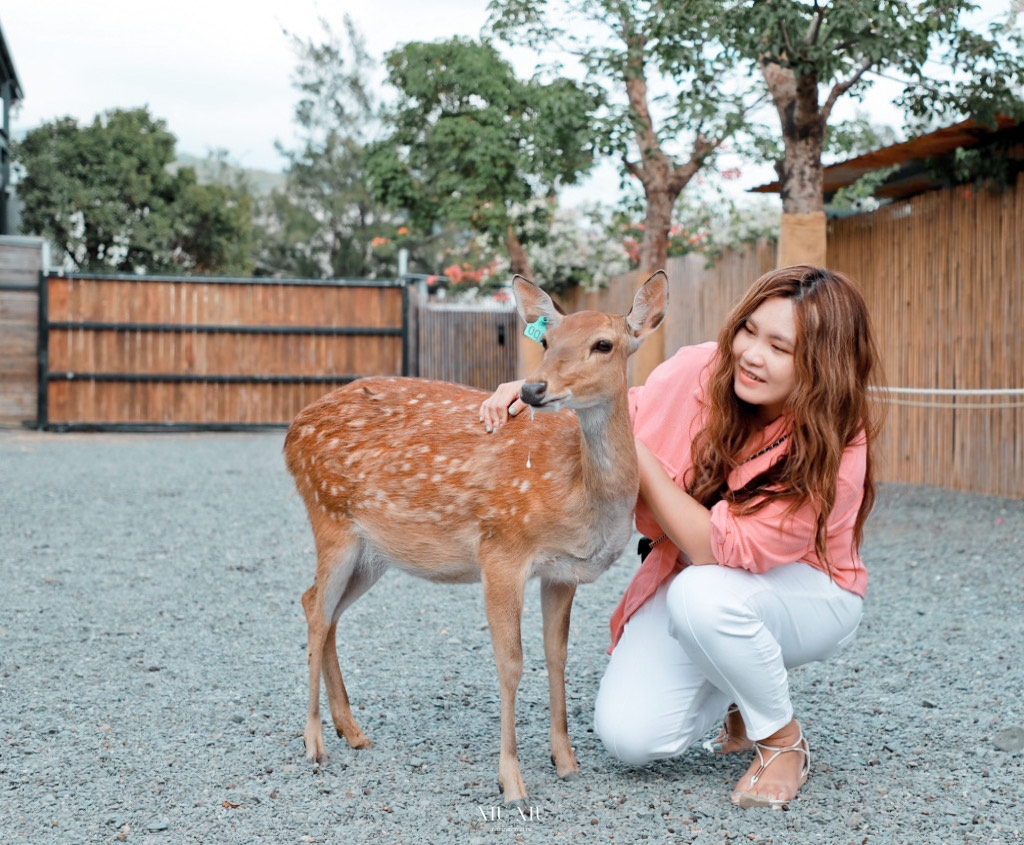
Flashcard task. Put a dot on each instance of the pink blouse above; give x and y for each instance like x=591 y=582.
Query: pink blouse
x=667 y=413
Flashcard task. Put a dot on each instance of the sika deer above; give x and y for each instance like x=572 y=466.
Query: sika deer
x=399 y=472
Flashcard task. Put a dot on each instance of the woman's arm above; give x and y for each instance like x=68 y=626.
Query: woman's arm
x=685 y=520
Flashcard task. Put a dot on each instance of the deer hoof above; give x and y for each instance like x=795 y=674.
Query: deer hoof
x=356 y=740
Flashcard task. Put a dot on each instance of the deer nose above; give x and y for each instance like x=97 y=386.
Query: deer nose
x=533 y=392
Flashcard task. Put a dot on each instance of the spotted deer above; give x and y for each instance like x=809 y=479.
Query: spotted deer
x=399 y=472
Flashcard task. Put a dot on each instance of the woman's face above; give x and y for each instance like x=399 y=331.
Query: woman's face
x=763 y=350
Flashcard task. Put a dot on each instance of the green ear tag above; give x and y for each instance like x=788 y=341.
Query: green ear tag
x=536 y=329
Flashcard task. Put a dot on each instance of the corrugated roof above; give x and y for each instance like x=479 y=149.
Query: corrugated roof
x=911 y=179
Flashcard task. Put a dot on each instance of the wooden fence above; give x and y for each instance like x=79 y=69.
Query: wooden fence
x=129 y=352
x=943 y=274
x=943 y=277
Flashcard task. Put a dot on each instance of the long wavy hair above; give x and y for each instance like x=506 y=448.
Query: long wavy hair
x=835 y=361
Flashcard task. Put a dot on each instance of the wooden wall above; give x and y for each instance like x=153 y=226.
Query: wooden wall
x=21 y=261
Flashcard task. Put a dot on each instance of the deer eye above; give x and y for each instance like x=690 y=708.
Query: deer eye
x=604 y=346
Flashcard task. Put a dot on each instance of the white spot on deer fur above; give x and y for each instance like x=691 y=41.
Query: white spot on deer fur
x=427 y=422
x=524 y=485
x=447 y=402
x=413 y=402
x=308 y=430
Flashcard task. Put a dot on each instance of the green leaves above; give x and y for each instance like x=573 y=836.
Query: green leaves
x=467 y=140
x=108 y=198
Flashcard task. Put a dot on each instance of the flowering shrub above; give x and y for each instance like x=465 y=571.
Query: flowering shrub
x=577 y=250
x=467 y=274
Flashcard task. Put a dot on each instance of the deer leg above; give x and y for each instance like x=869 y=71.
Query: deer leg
x=503 y=598
x=556 y=605
x=335 y=567
x=317 y=629
x=337 y=696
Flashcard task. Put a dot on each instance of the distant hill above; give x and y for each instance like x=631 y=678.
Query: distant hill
x=260 y=181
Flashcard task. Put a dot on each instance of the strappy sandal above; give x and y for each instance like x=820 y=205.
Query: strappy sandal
x=715 y=746
x=747 y=800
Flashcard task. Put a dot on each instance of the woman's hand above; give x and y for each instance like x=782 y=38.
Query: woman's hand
x=500 y=405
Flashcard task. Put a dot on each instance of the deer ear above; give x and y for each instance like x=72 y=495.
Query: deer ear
x=649 y=306
x=533 y=303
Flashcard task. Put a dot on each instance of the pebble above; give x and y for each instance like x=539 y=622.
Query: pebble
x=1009 y=739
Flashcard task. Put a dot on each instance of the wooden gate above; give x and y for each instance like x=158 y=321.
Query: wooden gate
x=472 y=346
x=144 y=353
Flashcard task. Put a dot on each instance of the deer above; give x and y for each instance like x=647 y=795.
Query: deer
x=398 y=472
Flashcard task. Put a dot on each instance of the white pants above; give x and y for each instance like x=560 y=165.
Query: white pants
x=712 y=636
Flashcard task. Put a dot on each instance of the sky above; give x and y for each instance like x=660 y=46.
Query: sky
x=217 y=71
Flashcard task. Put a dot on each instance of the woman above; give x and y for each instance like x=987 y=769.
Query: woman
x=755 y=483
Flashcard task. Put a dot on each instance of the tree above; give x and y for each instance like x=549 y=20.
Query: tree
x=325 y=220
x=672 y=98
x=107 y=197
x=812 y=54
x=469 y=143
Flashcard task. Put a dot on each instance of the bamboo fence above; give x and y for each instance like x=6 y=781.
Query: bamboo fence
x=943 y=277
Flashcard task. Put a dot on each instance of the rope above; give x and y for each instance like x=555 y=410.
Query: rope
x=956 y=391
x=958 y=406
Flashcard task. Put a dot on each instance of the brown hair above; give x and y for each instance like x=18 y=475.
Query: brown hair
x=835 y=361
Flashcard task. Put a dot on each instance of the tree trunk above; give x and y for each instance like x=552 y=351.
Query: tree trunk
x=663 y=181
x=802 y=231
x=518 y=262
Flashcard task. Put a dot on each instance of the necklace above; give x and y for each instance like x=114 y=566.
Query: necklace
x=652 y=543
x=767 y=448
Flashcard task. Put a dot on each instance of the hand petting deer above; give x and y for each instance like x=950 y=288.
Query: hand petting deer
x=399 y=472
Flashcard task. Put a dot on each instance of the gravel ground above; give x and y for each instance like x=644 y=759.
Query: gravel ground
x=152 y=677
